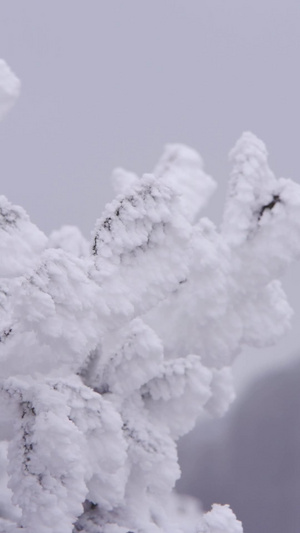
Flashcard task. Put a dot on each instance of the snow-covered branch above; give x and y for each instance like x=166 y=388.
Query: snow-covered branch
x=109 y=352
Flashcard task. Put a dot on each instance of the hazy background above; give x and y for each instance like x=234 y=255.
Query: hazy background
x=108 y=83
x=251 y=457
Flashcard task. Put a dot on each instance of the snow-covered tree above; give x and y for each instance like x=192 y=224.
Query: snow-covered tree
x=110 y=350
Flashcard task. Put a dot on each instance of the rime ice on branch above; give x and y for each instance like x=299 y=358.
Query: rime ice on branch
x=109 y=355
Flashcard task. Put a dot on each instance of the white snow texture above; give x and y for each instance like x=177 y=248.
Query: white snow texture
x=110 y=352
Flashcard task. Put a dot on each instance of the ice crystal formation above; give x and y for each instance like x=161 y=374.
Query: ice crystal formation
x=111 y=349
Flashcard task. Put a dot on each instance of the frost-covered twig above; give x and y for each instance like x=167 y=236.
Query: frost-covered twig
x=109 y=355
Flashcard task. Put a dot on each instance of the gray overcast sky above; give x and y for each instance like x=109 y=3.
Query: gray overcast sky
x=108 y=83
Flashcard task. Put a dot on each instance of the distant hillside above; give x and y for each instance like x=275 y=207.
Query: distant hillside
x=251 y=459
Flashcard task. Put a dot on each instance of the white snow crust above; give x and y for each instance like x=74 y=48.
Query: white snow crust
x=109 y=352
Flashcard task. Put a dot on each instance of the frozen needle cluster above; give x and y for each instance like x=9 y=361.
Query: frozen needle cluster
x=110 y=351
